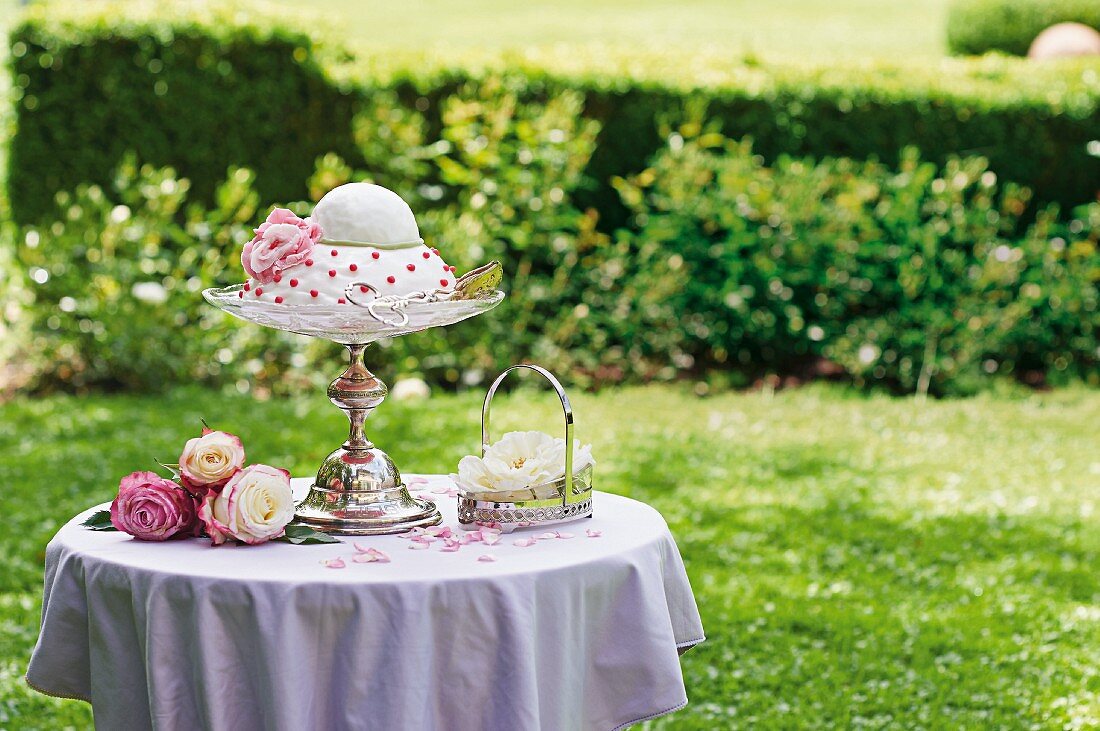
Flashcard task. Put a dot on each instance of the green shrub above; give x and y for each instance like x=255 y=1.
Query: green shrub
x=1009 y=26
x=909 y=277
x=202 y=91
x=116 y=283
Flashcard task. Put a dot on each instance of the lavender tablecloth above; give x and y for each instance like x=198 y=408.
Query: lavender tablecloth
x=570 y=633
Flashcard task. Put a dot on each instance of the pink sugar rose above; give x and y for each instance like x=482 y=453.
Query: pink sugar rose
x=281 y=242
x=253 y=507
x=207 y=462
x=152 y=508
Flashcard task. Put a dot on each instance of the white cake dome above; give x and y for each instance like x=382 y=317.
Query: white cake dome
x=364 y=213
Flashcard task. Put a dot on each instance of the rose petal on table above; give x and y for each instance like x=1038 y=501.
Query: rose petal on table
x=524 y=542
x=334 y=563
x=360 y=548
x=425 y=539
x=417 y=546
x=548 y=535
x=593 y=533
x=418 y=481
x=490 y=539
x=371 y=555
x=564 y=536
x=486 y=558
x=440 y=490
x=450 y=549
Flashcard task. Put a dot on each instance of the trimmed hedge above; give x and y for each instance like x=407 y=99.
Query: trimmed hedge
x=203 y=92
x=1009 y=26
x=911 y=277
x=199 y=91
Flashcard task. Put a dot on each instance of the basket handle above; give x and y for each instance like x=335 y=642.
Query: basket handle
x=567 y=497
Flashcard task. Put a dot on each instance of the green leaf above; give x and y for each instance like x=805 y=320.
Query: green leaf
x=99 y=520
x=303 y=535
x=173 y=468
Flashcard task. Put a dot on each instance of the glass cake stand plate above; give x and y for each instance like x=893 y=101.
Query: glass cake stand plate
x=358 y=489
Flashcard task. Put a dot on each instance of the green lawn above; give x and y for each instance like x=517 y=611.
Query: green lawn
x=801 y=29
x=776 y=29
x=859 y=561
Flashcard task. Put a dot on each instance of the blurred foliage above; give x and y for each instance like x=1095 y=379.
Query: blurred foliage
x=912 y=277
x=916 y=277
x=116 y=283
x=1009 y=26
x=203 y=88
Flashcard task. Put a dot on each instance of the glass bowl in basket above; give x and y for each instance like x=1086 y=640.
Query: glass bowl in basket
x=558 y=501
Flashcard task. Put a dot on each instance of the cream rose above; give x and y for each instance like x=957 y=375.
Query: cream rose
x=520 y=460
x=253 y=507
x=210 y=460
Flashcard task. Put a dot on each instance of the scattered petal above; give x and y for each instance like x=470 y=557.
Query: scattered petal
x=593 y=533
x=418 y=546
x=359 y=548
x=486 y=558
x=524 y=542
x=418 y=481
x=490 y=539
x=334 y=563
x=564 y=536
x=548 y=535
x=371 y=555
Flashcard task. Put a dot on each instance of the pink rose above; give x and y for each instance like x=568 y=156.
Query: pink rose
x=281 y=242
x=207 y=462
x=253 y=507
x=152 y=508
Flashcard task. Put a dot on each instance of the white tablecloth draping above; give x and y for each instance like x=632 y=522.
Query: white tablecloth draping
x=578 y=633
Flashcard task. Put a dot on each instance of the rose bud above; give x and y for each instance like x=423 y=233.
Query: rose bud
x=210 y=460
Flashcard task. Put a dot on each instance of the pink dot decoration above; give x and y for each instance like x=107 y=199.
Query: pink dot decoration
x=240 y=294
x=363 y=288
x=278 y=300
x=293 y=282
x=391 y=279
x=332 y=272
x=259 y=291
x=427 y=255
x=333 y=252
x=353 y=267
x=411 y=267
x=375 y=254
x=278 y=278
x=309 y=262
x=312 y=293
x=247 y=286
x=443 y=282
x=341 y=301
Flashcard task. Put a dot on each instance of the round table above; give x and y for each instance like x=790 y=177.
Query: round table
x=578 y=632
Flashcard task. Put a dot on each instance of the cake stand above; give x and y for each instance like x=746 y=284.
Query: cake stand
x=358 y=489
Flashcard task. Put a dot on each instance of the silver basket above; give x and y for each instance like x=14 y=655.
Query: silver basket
x=565 y=499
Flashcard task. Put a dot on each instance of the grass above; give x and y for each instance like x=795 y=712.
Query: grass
x=779 y=28
x=860 y=562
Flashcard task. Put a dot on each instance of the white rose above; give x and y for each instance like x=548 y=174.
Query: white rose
x=210 y=460
x=520 y=460
x=253 y=507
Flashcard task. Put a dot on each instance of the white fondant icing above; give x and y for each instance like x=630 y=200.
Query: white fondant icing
x=365 y=213
x=329 y=275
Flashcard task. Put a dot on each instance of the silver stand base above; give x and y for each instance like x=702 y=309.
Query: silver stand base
x=358 y=490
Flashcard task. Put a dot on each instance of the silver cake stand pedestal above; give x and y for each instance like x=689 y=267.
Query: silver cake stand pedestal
x=358 y=489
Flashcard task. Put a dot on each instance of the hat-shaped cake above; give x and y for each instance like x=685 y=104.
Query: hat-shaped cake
x=361 y=242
